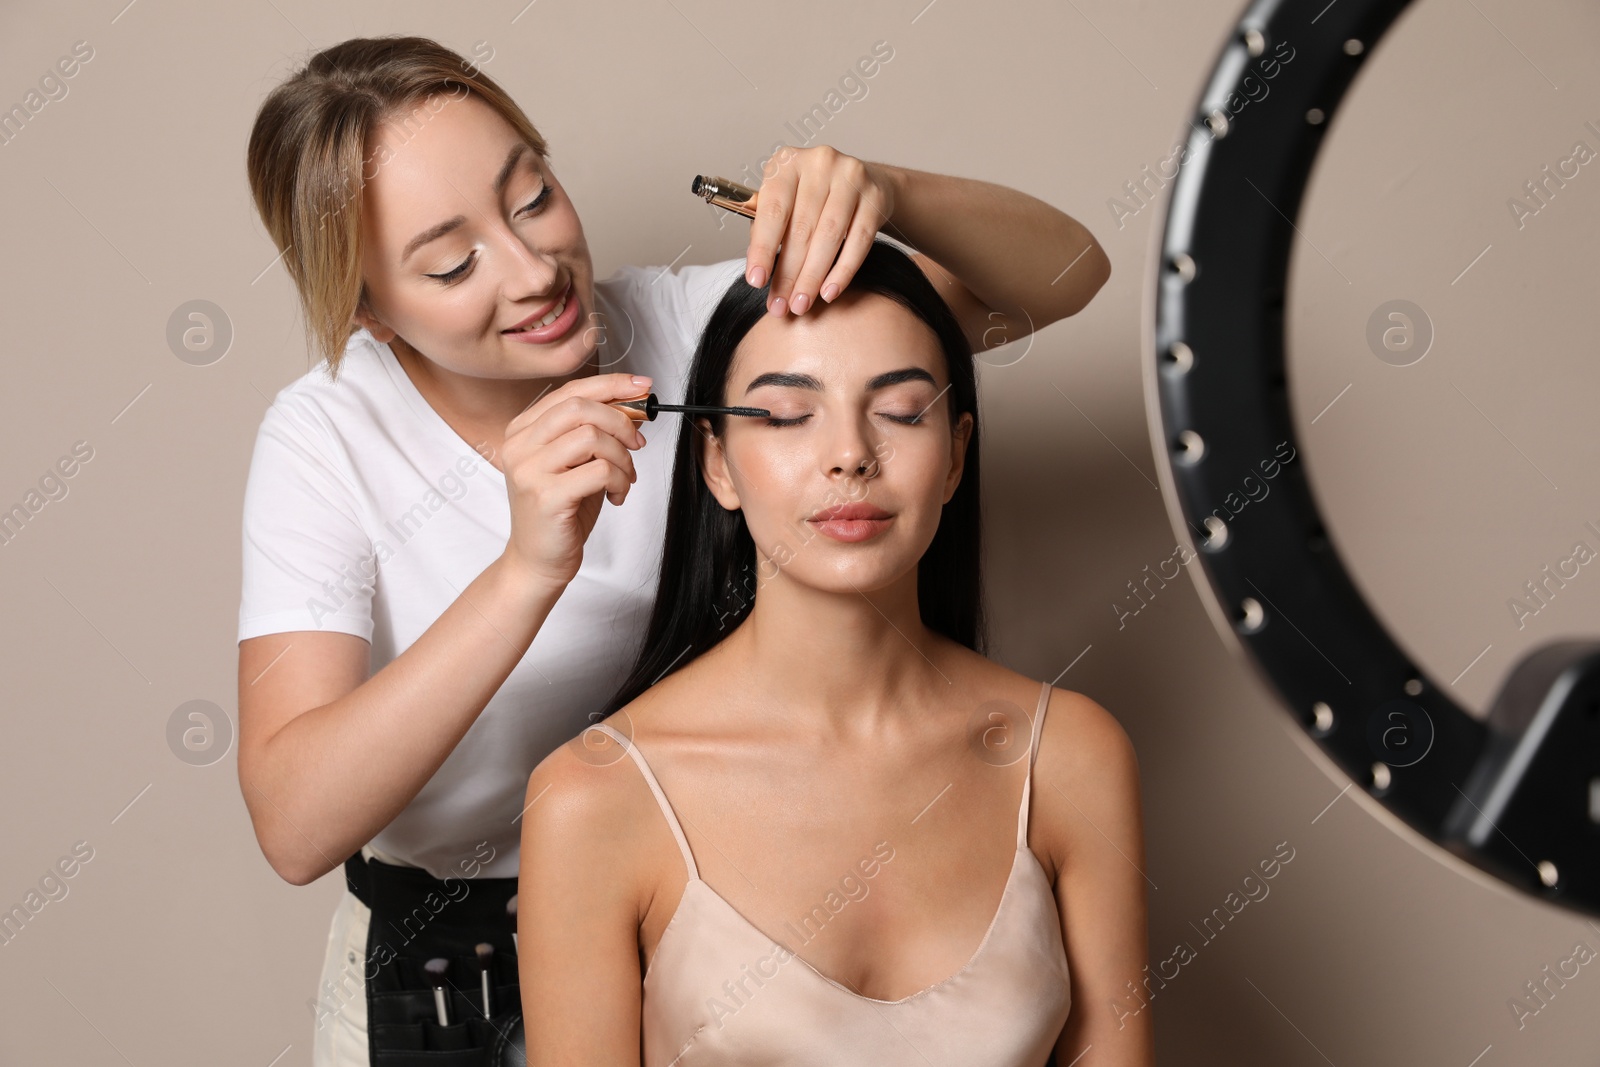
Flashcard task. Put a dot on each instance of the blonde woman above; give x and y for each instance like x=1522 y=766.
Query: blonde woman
x=434 y=597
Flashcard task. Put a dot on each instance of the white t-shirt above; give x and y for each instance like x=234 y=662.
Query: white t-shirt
x=365 y=513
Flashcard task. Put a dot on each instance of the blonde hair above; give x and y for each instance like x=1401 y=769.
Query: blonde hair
x=307 y=160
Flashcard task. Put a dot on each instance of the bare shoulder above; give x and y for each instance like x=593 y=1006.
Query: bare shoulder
x=1082 y=746
x=585 y=812
x=1086 y=781
x=1084 y=740
x=582 y=890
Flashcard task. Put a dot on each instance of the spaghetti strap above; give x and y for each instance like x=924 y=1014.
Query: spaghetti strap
x=661 y=798
x=1033 y=753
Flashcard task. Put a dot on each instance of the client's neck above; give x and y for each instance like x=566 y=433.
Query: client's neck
x=848 y=658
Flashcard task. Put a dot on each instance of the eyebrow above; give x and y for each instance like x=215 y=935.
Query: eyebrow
x=785 y=379
x=508 y=166
x=433 y=233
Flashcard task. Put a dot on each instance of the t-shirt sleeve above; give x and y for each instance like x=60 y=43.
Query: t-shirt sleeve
x=307 y=561
x=685 y=297
x=700 y=288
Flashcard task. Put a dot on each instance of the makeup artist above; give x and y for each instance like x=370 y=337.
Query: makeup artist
x=434 y=596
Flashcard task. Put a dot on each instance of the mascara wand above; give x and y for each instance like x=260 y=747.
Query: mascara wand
x=645 y=407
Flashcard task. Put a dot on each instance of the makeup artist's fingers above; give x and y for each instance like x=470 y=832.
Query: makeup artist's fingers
x=841 y=208
x=555 y=496
x=813 y=192
x=863 y=231
x=873 y=207
x=569 y=435
x=571 y=429
x=587 y=481
x=580 y=400
x=583 y=443
x=779 y=179
x=572 y=413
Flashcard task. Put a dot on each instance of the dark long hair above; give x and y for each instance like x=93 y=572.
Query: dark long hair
x=708 y=561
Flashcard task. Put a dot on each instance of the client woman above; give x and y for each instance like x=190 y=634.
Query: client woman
x=855 y=839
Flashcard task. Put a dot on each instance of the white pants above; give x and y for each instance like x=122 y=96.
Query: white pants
x=340 y=1039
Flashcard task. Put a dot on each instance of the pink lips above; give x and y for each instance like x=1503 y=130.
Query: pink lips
x=557 y=328
x=851 y=522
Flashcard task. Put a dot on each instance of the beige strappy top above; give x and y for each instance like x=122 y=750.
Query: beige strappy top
x=719 y=992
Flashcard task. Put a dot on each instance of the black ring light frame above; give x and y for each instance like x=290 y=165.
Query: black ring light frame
x=1516 y=795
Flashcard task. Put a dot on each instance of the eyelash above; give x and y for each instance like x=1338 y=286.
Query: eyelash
x=452 y=276
x=905 y=420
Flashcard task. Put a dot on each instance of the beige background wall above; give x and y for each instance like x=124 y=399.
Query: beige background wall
x=1448 y=483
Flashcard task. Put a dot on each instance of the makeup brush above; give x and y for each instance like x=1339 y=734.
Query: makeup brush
x=438 y=970
x=740 y=199
x=511 y=910
x=645 y=406
x=485 y=959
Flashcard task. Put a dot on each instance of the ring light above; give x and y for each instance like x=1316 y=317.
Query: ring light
x=1516 y=794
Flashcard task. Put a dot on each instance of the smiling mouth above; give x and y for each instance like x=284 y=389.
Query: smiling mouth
x=548 y=317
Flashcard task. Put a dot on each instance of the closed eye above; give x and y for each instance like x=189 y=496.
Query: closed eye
x=905 y=420
x=538 y=201
x=452 y=275
x=456 y=273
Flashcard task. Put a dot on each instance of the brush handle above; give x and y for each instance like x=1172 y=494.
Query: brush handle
x=438 y=972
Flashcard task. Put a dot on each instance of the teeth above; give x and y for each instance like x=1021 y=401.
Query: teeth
x=555 y=313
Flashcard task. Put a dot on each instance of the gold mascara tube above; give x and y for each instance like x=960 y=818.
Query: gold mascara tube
x=740 y=199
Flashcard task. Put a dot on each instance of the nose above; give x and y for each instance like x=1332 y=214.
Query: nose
x=850 y=449
x=530 y=274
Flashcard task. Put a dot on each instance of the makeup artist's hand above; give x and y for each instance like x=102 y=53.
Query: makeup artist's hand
x=560 y=455
x=817 y=203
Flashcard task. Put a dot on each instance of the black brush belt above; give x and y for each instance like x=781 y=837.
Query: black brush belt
x=415 y=918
